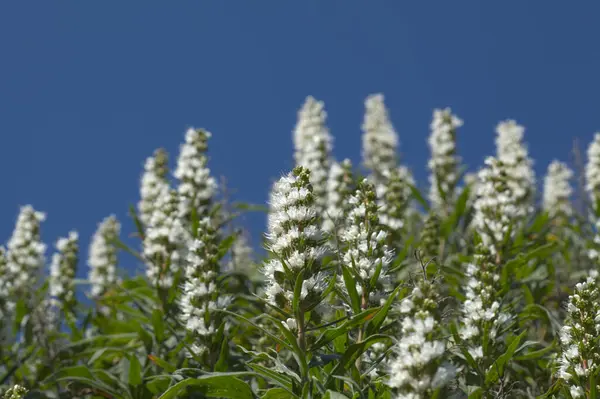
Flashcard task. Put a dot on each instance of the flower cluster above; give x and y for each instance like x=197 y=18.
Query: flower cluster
x=166 y=240
x=419 y=367
x=557 y=191
x=340 y=187
x=25 y=250
x=63 y=269
x=241 y=256
x=200 y=298
x=154 y=180
x=6 y=304
x=15 y=392
x=512 y=152
x=365 y=252
x=313 y=144
x=103 y=256
x=295 y=240
x=379 y=140
x=592 y=170
x=580 y=355
x=444 y=161
x=430 y=236
x=196 y=185
x=394 y=199
x=481 y=310
x=496 y=206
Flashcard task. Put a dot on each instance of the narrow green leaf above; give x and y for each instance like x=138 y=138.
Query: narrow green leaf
x=220 y=386
x=351 y=288
x=379 y=318
x=135 y=371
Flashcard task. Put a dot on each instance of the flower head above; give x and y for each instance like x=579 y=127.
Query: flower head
x=103 y=256
x=153 y=182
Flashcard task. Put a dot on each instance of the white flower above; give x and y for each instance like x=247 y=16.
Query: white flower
x=512 y=152
x=63 y=269
x=312 y=143
x=153 y=182
x=295 y=239
x=196 y=185
x=592 y=170
x=379 y=140
x=557 y=190
x=25 y=250
x=339 y=189
x=200 y=297
x=444 y=162
x=166 y=241
x=103 y=256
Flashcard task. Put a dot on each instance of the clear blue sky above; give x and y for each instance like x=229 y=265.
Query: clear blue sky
x=89 y=89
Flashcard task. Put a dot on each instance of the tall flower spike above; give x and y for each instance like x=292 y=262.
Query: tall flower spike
x=6 y=302
x=166 y=240
x=25 y=250
x=16 y=392
x=196 y=186
x=512 y=152
x=444 y=162
x=295 y=241
x=313 y=143
x=365 y=249
x=103 y=256
x=379 y=140
x=497 y=204
x=419 y=367
x=200 y=298
x=394 y=199
x=580 y=355
x=430 y=237
x=340 y=186
x=557 y=191
x=592 y=170
x=153 y=182
x=241 y=256
x=62 y=271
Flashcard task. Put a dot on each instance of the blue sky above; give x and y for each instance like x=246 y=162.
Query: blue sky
x=89 y=89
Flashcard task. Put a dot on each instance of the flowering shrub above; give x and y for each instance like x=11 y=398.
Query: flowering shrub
x=370 y=286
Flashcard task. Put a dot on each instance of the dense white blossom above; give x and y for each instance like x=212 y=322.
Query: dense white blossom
x=592 y=170
x=166 y=240
x=580 y=355
x=418 y=367
x=512 y=152
x=196 y=186
x=200 y=297
x=154 y=180
x=6 y=301
x=312 y=147
x=103 y=256
x=444 y=162
x=379 y=140
x=63 y=268
x=15 y=392
x=295 y=238
x=557 y=190
x=25 y=250
x=365 y=249
x=497 y=207
x=394 y=198
x=340 y=185
x=241 y=256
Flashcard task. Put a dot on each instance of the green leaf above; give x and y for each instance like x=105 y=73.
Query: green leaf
x=379 y=318
x=297 y=294
x=158 y=324
x=162 y=364
x=354 y=351
x=496 y=370
x=277 y=393
x=334 y=395
x=272 y=376
x=158 y=384
x=417 y=195
x=332 y=333
x=135 y=371
x=351 y=288
x=212 y=386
